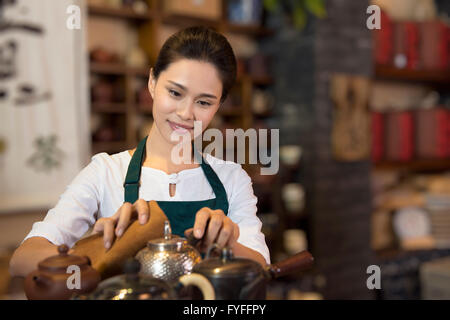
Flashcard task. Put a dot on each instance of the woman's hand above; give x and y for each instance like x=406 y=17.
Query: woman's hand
x=220 y=230
x=116 y=224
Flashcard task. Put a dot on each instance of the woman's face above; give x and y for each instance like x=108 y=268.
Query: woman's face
x=187 y=91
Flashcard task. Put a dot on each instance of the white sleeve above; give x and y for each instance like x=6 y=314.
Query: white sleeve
x=75 y=211
x=242 y=210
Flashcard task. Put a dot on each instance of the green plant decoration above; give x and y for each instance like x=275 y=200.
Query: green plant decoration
x=297 y=10
x=47 y=155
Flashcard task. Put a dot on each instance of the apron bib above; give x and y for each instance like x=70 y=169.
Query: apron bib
x=181 y=214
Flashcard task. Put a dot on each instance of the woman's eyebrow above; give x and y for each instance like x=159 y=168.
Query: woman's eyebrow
x=184 y=88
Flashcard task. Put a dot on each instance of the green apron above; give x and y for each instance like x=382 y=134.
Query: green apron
x=181 y=214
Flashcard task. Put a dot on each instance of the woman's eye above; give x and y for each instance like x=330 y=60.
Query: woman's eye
x=204 y=103
x=174 y=93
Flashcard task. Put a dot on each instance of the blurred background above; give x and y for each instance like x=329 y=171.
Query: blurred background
x=364 y=120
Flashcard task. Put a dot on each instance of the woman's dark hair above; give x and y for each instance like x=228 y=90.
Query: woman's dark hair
x=204 y=44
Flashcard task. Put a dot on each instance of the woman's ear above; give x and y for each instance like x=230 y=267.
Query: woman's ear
x=151 y=83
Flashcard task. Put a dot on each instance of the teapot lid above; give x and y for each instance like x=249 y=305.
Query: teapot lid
x=227 y=265
x=169 y=242
x=162 y=244
x=61 y=261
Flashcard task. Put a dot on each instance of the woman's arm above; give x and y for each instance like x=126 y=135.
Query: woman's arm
x=66 y=223
x=240 y=250
x=243 y=211
x=27 y=256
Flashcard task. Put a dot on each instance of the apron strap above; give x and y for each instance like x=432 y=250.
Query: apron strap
x=216 y=185
x=133 y=177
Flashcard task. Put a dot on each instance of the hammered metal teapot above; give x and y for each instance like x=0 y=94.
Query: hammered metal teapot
x=168 y=258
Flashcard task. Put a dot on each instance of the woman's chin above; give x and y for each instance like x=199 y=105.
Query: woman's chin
x=176 y=138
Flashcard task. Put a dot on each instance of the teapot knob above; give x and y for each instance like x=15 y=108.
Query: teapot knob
x=167 y=230
x=63 y=249
x=226 y=254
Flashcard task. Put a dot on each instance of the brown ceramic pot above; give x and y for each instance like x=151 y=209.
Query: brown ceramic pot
x=50 y=280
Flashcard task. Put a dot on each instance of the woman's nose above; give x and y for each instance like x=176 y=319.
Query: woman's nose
x=186 y=111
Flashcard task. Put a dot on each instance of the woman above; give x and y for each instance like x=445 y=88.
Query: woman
x=192 y=76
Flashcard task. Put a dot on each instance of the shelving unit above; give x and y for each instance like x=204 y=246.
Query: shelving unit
x=122 y=13
x=427 y=165
x=440 y=80
x=117 y=69
x=423 y=76
x=147 y=26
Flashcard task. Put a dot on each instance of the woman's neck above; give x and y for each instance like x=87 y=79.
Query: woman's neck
x=159 y=153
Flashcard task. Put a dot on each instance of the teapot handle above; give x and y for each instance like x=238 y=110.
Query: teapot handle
x=192 y=240
x=296 y=263
x=200 y=282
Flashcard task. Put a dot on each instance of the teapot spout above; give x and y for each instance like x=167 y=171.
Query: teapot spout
x=42 y=280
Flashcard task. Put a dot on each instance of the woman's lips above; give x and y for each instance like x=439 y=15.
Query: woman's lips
x=179 y=128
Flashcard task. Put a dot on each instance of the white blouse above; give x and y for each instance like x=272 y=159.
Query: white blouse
x=97 y=191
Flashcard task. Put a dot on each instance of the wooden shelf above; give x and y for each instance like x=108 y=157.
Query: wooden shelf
x=185 y=21
x=398 y=253
x=109 y=107
x=430 y=76
x=231 y=112
x=144 y=72
x=256 y=80
x=117 y=69
x=222 y=26
x=264 y=81
x=122 y=13
x=141 y=111
x=108 y=146
x=180 y=20
x=263 y=115
x=415 y=165
x=248 y=29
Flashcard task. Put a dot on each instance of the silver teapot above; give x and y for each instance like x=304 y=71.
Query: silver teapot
x=168 y=258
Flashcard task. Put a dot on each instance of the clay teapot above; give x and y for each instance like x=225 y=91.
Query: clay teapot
x=51 y=280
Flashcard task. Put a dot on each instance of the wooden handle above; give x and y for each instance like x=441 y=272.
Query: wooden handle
x=110 y=262
x=298 y=262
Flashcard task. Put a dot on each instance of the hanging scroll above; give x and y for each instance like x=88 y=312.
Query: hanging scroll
x=44 y=137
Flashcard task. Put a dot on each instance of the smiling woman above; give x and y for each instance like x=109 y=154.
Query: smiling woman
x=193 y=74
x=187 y=90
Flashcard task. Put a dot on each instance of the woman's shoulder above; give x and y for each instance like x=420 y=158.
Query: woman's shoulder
x=220 y=163
x=233 y=176
x=226 y=169
x=113 y=161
